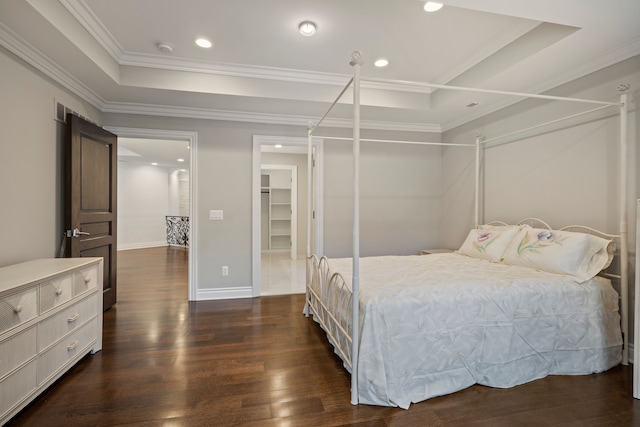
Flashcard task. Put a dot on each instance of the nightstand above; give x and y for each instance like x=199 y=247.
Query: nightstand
x=434 y=251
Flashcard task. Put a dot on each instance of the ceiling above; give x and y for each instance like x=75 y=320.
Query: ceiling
x=261 y=69
x=157 y=152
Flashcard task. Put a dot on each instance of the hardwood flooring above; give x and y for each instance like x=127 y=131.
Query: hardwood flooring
x=260 y=362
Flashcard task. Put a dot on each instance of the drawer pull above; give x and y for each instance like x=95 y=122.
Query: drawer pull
x=59 y=291
x=17 y=309
x=87 y=280
x=73 y=318
x=73 y=345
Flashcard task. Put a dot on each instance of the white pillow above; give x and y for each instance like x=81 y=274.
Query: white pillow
x=578 y=255
x=489 y=242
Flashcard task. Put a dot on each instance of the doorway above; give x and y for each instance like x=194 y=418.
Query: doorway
x=279 y=208
x=176 y=174
x=272 y=154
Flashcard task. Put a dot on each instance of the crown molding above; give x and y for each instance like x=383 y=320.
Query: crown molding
x=85 y=16
x=32 y=56
x=240 y=116
x=163 y=62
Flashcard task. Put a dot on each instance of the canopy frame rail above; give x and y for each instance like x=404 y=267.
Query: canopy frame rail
x=550 y=122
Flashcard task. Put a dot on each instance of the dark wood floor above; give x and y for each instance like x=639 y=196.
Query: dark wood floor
x=260 y=362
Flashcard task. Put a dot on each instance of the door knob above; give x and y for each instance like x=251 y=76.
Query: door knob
x=76 y=232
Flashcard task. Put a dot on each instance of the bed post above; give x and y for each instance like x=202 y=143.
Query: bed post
x=624 y=267
x=356 y=62
x=309 y=212
x=477 y=200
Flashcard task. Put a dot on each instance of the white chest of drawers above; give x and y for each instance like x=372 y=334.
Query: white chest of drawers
x=50 y=317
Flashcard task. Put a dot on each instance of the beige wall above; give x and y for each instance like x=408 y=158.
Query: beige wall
x=31 y=149
x=405 y=177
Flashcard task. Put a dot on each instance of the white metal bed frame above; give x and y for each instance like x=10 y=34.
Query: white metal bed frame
x=340 y=331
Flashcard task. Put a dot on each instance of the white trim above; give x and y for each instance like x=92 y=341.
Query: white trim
x=251 y=117
x=192 y=137
x=85 y=16
x=636 y=314
x=143 y=245
x=32 y=56
x=223 y=293
x=256 y=252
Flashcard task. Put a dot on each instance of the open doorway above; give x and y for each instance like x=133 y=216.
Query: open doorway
x=156 y=188
x=280 y=212
x=279 y=206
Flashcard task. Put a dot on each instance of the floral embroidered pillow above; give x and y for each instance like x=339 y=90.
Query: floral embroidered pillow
x=489 y=242
x=579 y=255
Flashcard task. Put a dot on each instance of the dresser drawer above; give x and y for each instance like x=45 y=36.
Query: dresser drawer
x=16 y=350
x=69 y=319
x=55 y=292
x=18 y=308
x=17 y=386
x=85 y=280
x=57 y=357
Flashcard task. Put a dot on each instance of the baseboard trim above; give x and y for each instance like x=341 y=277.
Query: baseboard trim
x=224 y=293
x=127 y=246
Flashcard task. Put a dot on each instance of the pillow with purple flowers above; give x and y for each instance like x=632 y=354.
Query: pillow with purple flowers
x=489 y=242
x=578 y=255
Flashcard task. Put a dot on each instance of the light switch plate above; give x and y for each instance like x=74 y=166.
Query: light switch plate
x=216 y=215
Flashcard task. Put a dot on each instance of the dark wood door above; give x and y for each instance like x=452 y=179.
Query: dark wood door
x=91 y=161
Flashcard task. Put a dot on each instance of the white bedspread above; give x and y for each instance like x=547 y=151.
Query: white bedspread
x=435 y=324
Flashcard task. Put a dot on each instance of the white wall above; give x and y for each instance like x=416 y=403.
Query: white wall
x=400 y=193
x=143 y=203
x=174 y=193
x=32 y=152
x=565 y=173
x=183 y=193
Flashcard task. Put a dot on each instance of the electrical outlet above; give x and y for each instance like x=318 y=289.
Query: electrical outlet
x=225 y=270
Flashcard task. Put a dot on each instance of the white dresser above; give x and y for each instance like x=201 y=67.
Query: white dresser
x=50 y=317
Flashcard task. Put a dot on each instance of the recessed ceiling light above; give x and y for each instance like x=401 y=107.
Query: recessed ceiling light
x=204 y=43
x=381 y=62
x=181 y=160
x=154 y=164
x=307 y=28
x=432 y=6
x=278 y=145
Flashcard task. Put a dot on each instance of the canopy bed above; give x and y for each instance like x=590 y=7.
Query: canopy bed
x=513 y=304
